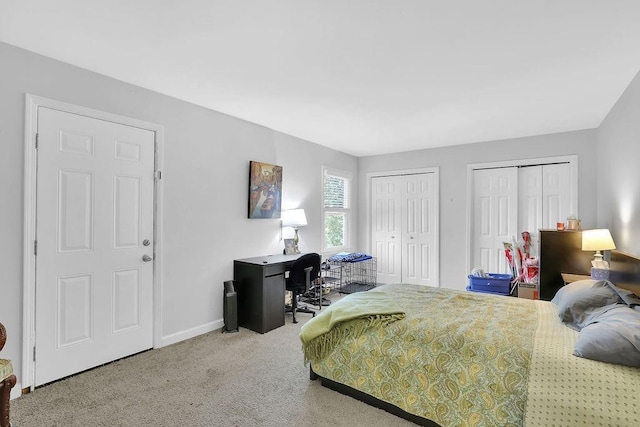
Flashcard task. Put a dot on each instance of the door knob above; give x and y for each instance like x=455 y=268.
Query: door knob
x=146 y=258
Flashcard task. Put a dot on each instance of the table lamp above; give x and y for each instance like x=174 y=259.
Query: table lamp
x=294 y=218
x=598 y=240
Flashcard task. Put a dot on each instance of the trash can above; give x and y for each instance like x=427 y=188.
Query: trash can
x=230 y=307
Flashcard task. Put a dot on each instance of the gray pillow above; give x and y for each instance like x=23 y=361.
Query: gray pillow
x=577 y=301
x=613 y=337
x=627 y=296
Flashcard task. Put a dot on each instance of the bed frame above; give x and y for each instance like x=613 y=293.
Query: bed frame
x=625 y=273
x=370 y=400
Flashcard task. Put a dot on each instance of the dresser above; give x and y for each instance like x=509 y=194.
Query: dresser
x=561 y=252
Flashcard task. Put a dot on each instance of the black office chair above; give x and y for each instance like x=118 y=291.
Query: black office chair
x=303 y=272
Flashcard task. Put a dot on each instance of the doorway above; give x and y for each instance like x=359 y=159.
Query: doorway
x=91 y=223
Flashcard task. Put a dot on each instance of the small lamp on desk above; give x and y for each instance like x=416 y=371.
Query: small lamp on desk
x=294 y=218
x=598 y=240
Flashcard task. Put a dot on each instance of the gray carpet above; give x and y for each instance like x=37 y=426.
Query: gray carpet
x=231 y=379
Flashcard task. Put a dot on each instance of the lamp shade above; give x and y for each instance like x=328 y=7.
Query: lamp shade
x=294 y=218
x=597 y=240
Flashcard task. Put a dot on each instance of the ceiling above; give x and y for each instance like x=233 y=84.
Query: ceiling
x=361 y=76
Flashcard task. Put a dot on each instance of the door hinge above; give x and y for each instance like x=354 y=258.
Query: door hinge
x=37 y=140
x=157 y=175
x=35 y=247
x=34 y=353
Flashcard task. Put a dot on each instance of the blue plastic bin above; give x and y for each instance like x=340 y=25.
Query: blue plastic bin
x=494 y=284
x=486 y=292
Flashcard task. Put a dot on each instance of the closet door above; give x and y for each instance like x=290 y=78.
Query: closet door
x=404 y=235
x=418 y=230
x=530 y=201
x=495 y=217
x=543 y=198
x=509 y=200
x=556 y=194
x=387 y=231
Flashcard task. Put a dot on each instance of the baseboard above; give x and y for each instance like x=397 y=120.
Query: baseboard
x=193 y=332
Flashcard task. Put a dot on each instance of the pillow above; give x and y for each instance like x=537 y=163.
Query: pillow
x=577 y=301
x=567 y=291
x=627 y=296
x=613 y=337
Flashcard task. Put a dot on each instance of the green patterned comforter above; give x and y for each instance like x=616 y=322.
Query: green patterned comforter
x=453 y=359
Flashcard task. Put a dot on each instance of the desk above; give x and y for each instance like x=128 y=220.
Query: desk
x=260 y=285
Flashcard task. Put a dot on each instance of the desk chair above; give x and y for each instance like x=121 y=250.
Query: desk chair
x=7 y=381
x=303 y=272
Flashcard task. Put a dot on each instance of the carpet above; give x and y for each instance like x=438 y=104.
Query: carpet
x=231 y=379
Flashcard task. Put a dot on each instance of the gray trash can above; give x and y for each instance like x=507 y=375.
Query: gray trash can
x=230 y=307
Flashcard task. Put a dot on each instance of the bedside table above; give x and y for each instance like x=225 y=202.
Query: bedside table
x=570 y=278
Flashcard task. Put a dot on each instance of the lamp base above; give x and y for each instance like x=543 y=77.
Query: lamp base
x=296 y=239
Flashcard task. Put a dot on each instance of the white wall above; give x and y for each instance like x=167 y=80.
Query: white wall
x=453 y=162
x=205 y=185
x=618 y=170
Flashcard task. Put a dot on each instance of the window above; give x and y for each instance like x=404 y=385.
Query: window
x=336 y=209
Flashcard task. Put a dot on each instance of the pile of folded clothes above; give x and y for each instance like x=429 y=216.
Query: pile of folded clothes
x=349 y=257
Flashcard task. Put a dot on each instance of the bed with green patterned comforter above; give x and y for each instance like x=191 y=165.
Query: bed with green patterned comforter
x=467 y=359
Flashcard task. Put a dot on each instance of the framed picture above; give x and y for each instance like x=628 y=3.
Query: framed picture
x=265 y=190
x=289 y=247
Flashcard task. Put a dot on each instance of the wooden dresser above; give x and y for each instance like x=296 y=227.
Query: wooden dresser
x=561 y=252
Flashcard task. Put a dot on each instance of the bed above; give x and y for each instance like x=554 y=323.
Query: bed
x=442 y=357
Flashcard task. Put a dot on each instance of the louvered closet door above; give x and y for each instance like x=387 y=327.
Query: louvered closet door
x=495 y=217
x=94 y=211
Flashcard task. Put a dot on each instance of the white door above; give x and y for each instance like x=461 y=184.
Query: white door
x=543 y=197
x=530 y=201
x=94 y=292
x=495 y=217
x=404 y=209
x=418 y=230
x=387 y=228
x=556 y=193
